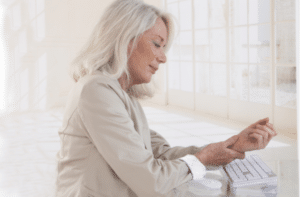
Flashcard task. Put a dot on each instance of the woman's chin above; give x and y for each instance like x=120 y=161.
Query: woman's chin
x=148 y=79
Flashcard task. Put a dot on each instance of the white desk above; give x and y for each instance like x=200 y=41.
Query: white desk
x=280 y=158
x=195 y=129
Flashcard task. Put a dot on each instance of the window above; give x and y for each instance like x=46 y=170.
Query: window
x=235 y=58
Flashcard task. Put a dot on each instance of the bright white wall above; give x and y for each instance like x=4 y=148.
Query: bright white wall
x=44 y=37
x=79 y=23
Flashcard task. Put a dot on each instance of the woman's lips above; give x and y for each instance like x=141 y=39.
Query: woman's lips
x=153 y=69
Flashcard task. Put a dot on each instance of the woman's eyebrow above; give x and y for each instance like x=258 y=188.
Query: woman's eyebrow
x=162 y=40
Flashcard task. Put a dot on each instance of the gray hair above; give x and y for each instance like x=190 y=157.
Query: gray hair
x=106 y=49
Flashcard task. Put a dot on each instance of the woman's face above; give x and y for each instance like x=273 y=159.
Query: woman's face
x=148 y=54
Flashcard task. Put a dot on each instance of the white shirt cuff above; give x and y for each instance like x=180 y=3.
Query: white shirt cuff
x=197 y=168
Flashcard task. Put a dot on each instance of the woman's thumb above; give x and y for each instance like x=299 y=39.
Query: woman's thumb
x=231 y=140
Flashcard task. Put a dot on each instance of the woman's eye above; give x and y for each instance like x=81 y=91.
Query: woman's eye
x=157 y=45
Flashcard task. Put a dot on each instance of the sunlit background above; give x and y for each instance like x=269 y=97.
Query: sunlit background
x=232 y=63
x=3 y=57
x=235 y=59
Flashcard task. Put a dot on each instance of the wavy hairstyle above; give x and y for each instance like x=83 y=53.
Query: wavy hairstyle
x=106 y=49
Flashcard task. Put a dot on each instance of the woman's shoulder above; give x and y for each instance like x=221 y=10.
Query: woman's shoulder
x=99 y=84
x=98 y=78
x=93 y=90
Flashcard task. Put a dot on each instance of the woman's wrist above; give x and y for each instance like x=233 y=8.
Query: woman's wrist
x=237 y=148
x=201 y=157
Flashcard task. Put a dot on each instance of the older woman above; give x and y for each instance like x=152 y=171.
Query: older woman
x=107 y=148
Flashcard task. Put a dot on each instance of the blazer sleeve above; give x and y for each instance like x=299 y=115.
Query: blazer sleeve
x=162 y=150
x=112 y=131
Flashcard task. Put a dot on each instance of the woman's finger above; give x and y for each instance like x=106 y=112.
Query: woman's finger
x=265 y=128
x=259 y=140
x=231 y=141
x=239 y=155
x=271 y=127
x=264 y=134
x=232 y=154
x=261 y=122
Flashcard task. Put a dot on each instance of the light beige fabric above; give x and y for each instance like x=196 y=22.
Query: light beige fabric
x=107 y=148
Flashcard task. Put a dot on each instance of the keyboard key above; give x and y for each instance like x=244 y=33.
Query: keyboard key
x=250 y=177
x=251 y=169
x=236 y=168
x=262 y=164
x=238 y=172
x=257 y=168
x=245 y=171
x=232 y=174
x=241 y=165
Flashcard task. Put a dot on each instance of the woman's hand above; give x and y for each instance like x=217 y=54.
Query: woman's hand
x=255 y=137
x=219 y=153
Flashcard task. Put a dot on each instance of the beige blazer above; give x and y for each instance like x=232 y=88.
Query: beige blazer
x=107 y=148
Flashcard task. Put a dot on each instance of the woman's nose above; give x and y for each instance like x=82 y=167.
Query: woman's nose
x=162 y=57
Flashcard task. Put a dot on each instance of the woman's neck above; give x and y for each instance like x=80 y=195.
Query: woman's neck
x=124 y=82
